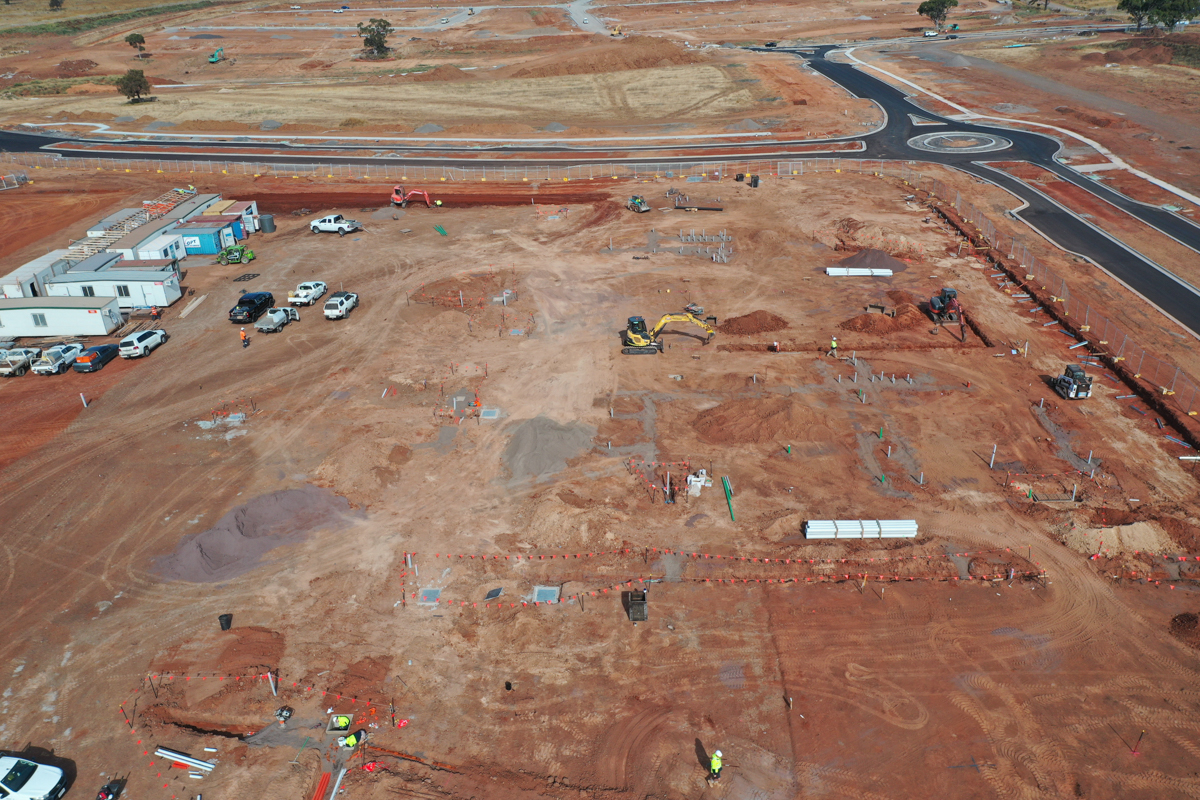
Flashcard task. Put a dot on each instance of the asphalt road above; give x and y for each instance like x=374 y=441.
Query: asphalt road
x=1172 y=295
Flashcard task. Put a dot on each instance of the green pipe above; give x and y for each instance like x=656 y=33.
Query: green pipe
x=728 y=497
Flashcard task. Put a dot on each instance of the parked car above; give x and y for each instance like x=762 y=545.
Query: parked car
x=139 y=344
x=22 y=779
x=335 y=223
x=94 y=358
x=251 y=306
x=274 y=320
x=16 y=362
x=307 y=293
x=339 y=304
x=57 y=359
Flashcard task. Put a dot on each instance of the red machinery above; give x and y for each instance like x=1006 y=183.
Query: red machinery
x=402 y=198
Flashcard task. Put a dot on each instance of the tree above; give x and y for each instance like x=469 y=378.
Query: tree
x=1138 y=10
x=136 y=41
x=374 y=35
x=1170 y=13
x=133 y=84
x=55 y=5
x=937 y=10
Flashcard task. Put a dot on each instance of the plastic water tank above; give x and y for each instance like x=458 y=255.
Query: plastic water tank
x=267 y=222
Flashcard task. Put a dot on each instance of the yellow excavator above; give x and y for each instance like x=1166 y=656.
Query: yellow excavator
x=639 y=341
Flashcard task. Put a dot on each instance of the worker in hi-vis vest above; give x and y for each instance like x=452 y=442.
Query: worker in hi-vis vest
x=715 y=766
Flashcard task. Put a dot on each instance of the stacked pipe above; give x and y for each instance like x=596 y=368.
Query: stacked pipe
x=861 y=529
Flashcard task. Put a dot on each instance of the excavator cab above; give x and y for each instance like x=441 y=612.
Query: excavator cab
x=637 y=326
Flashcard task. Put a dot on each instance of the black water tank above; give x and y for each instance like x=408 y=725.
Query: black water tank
x=266 y=223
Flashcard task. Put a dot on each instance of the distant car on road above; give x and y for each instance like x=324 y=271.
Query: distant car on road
x=57 y=359
x=22 y=779
x=94 y=358
x=250 y=307
x=139 y=344
x=339 y=304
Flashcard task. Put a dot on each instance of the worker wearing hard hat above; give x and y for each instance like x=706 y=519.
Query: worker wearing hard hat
x=245 y=339
x=833 y=347
x=715 y=766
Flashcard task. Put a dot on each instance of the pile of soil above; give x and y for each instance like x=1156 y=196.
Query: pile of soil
x=1186 y=628
x=761 y=420
x=74 y=69
x=873 y=259
x=908 y=315
x=634 y=52
x=238 y=541
x=541 y=447
x=445 y=72
x=316 y=65
x=754 y=322
x=1091 y=119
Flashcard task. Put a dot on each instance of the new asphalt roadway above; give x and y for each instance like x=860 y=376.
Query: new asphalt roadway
x=899 y=138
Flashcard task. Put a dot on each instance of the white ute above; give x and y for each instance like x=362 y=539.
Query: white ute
x=57 y=359
x=22 y=779
x=307 y=293
x=339 y=304
x=15 y=363
x=335 y=223
x=274 y=320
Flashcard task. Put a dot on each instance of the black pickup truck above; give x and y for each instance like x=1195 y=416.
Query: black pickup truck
x=251 y=306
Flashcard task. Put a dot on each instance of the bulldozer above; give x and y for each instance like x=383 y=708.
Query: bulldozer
x=638 y=203
x=235 y=254
x=402 y=198
x=1074 y=383
x=944 y=307
x=638 y=341
x=217 y=56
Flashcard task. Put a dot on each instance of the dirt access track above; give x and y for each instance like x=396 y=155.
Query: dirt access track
x=376 y=501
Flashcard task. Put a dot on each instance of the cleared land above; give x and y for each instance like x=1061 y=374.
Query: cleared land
x=821 y=685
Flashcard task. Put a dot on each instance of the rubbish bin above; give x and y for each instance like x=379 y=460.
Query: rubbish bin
x=226 y=621
x=267 y=223
x=753 y=181
x=638 y=611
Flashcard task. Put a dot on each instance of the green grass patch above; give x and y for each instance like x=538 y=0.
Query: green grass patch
x=52 y=86
x=70 y=27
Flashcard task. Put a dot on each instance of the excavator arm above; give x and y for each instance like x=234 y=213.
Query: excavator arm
x=668 y=318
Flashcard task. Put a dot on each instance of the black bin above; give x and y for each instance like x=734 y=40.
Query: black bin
x=741 y=176
x=753 y=181
x=226 y=621
x=638 y=610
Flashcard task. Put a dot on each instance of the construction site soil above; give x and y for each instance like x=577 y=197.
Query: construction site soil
x=426 y=516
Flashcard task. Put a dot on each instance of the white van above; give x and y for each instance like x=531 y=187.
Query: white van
x=929 y=34
x=21 y=779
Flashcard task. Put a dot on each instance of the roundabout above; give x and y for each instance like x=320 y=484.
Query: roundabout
x=957 y=142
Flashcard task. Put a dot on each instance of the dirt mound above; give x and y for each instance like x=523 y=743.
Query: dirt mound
x=316 y=65
x=541 y=447
x=873 y=259
x=635 y=52
x=908 y=315
x=759 y=420
x=1093 y=58
x=445 y=72
x=1186 y=628
x=235 y=544
x=754 y=322
x=74 y=69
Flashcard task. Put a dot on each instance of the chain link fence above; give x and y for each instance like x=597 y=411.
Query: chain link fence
x=13 y=180
x=1105 y=336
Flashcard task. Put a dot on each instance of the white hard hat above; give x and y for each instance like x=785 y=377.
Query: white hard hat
x=717 y=754
x=243 y=329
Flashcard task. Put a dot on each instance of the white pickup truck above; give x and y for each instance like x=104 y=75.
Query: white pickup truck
x=16 y=362
x=339 y=304
x=57 y=359
x=335 y=223
x=274 y=320
x=307 y=293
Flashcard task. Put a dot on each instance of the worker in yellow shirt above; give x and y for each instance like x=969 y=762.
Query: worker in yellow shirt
x=715 y=766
